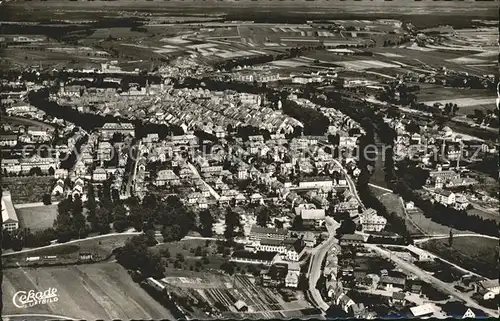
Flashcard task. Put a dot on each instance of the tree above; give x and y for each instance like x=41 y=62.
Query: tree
x=298 y=223
x=77 y=217
x=347 y=227
x=102 y=221
x=46 y=199
x=172 y=233
x=450 y=239
x=35 y=171
x=263 y=217
x=206 y=222
x=232 y=223
x=227 y=267
x=91 y=206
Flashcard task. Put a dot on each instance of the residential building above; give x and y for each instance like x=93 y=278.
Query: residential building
x=99 y=175
x=44 y=163
x=424 y=310
x=444 y=197
x=391 y=282
x=316 y=182
x=11 y=166
x=105 y=151
x=258 y=233
x=352 y=239
x=259 y=257
x=167 y=177
x=8 y=140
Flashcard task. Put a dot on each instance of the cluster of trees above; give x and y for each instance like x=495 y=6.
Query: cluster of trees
x=314 y=121
x=489 y=118
x=135 y=256
x=450 y=109
x=20 y=238
x=233 y=225
x=70 y=222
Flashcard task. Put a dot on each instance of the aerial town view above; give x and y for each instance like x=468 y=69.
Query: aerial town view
x=249 y=159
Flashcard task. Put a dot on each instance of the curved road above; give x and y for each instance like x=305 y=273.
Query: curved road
x=350 y=182
x=317 y=257
x=445 y=236
x=424 y=276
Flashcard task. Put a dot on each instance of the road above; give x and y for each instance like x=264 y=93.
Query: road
x=36 y=204
x=424 y=276
x=445 y=236
x=350 y=182
x=70 y=242
x=317 y=257
x=131 y=178
x=196 y=174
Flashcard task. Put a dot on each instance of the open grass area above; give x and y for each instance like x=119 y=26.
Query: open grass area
x=466 y=99
x=476 y=254
x=97 y=291
x=430 y=227
x=206 y=259
x=393 y=203
x=487 y=215
x=37 y=217
x=28 y=189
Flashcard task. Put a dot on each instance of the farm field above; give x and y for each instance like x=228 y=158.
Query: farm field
x=37 y=217
x=476 y=254
x=466 y=99
x=96 y=291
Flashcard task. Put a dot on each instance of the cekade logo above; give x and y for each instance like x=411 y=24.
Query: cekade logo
x=23 y=299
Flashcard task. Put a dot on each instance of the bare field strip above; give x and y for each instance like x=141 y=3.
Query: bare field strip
x=91 y=292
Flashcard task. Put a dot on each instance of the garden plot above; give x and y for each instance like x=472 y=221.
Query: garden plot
x=179 y=40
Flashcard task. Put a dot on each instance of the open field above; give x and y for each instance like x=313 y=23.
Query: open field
x=28 y=189
x=38 y=217
x=187 y=248
x=100 y=248
x=430 y=227
x=97 y=291
x=393 y=203
x=476 y=254
x=466 y=99
x=487 y=215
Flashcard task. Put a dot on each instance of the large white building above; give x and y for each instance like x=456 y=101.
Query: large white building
x=316 y=182
x=109 y=129
x=370 y=221
x=10 y=221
